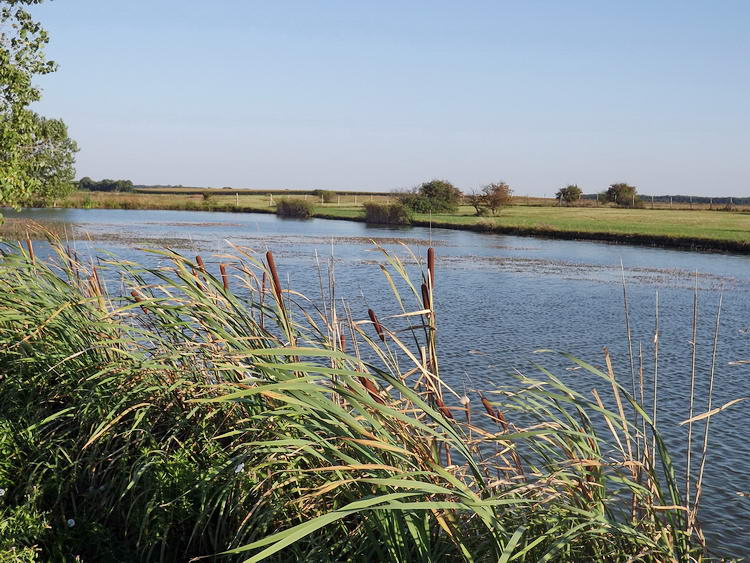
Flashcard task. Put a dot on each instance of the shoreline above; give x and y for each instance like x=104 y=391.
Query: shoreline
x=700 y=244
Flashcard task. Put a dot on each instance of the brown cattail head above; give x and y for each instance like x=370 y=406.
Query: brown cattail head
x=370 y=386
x=431 y=265
x=426 y=297
x=138 y=299
x=342 y=342
x=494 y=413
x=274 y=276
x=443 y=409
x=200 y=263
x=96 y=281
x=224 y=276
x=31 y=250
x=378 y=327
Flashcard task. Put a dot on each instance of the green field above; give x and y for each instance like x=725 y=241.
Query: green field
x=700 y=228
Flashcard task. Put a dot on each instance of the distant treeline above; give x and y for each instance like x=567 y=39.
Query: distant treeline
x=685 y=199
x=184 y=190
x=105 y=185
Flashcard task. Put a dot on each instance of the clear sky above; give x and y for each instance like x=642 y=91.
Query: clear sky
x=384 y=95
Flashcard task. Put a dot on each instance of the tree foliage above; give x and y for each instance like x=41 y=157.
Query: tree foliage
x=36 y=156
x=569 y=194
x=496 y=196
x=436 y=196
x=476 y=200
x=105 y=185
x=622 y=194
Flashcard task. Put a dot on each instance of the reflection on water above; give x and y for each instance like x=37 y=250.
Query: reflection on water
x=499 y=298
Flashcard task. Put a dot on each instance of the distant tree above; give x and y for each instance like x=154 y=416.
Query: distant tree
x=476 y=200
x=36 y=156
x=622 y=194
x=569 y=194
x=496 y=196
x=436 y=196
x=105 y=185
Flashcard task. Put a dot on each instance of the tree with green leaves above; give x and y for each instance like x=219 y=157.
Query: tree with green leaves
x=569 y=194
x=436 y=196
x=622 y=194
x=36 y=154
x=106 y=185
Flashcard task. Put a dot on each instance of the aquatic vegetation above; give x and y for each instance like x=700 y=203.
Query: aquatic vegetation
x=395 y=213
x=209 y=411
x=294 y=207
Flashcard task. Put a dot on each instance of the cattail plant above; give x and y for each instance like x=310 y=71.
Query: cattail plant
x=217 y=427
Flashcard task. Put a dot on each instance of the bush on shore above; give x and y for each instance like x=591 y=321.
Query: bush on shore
x=294 y=207
x=435 y=196
x=387 y=213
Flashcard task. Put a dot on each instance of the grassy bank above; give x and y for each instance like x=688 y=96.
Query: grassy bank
x=698 y=229
x=212 y=412
x=685 y=228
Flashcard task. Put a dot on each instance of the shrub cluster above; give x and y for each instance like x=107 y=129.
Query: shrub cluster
x=387 y=213
x=294 y=207
x=435 y=196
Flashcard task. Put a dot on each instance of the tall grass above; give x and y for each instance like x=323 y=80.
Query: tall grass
x=295 y=207
x=395 y=213
x=212 y=412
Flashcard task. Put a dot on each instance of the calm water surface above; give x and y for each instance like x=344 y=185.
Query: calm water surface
x=499 y=298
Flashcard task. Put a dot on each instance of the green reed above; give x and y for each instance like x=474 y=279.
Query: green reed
x=200 y=409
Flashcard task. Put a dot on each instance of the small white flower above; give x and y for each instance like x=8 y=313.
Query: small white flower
x=71 y=523
x=2 y=492
x=239 y=468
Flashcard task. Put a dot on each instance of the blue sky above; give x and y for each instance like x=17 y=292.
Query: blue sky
x=384 y=95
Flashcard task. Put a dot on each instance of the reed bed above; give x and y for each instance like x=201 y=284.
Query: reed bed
x=201 y=409
x=14 y=229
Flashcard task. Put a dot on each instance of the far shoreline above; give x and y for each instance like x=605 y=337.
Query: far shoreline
x=699 y=244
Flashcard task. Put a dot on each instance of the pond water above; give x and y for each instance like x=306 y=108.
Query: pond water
x=500 y=298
